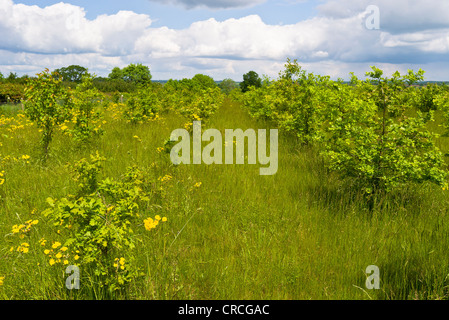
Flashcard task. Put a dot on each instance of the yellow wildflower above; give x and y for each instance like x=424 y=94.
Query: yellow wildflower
x=117 y=261
x=137 y=138
x=56 y=245
x=16 y=228
x=165 y=178
x=149 y=224
x=198 y=184
x=24 y=248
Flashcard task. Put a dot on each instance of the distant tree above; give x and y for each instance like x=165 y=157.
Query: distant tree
x=204 y=81
x=227 y=85
x=137 y=73
x=250 y=79
x=73 y=73
x=116 y=74
x=1 y=76
x=108 y=85
x=12 y=76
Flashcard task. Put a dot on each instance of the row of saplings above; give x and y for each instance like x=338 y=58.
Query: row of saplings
x=49 y=104
x=373 y=133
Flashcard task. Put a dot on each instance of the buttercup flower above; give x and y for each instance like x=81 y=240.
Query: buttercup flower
x=56 y=245
x=119 y=263
x=23 y=248
x=149 y=223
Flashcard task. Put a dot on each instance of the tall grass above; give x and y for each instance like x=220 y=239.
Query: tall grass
x=300 y=234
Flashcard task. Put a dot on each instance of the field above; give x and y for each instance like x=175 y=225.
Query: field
x=303 y=233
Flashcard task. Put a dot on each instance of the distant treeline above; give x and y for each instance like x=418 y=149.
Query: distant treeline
x=127 y=80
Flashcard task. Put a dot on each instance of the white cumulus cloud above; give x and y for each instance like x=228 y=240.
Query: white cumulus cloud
x=64 y=28
x=60 y=35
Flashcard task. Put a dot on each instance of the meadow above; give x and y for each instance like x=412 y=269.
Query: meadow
x=210 y=231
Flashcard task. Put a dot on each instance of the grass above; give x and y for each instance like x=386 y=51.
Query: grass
x=300 y=234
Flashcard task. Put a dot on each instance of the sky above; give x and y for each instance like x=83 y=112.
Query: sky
x=226 y=38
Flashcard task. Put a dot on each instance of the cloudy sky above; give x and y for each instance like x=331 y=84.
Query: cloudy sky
x=226 y=38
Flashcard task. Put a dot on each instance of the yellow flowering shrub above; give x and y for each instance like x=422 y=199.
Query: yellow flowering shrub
x=97 y=224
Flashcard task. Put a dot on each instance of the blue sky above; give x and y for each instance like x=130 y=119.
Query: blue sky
x=225 y=38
